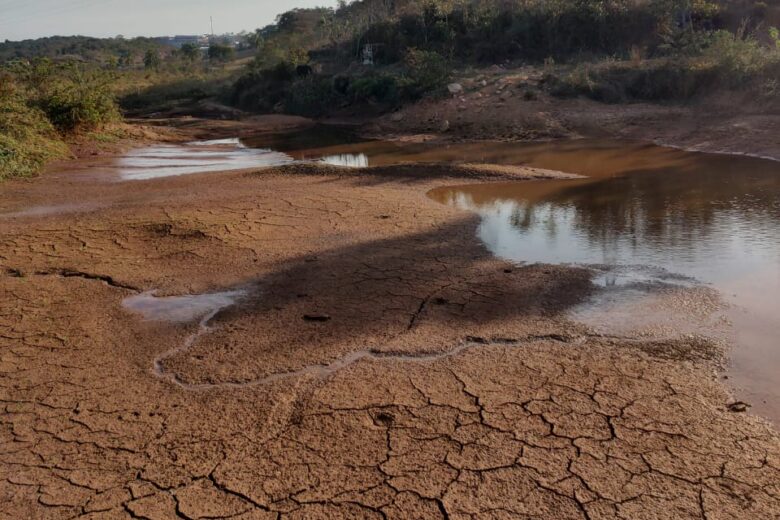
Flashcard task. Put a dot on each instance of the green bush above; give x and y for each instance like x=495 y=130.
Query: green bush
x=426 y=70
x=161 y=95
x=261 y=89
x=739 y=60
x=726 y=61
x=383 y=88
x=27 y=138
x=73 y=96
x=312 y=96
x=83 y=102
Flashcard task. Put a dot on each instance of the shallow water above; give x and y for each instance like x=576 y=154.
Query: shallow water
x=181 y=309
x=198 y=157
x=712 y=218
x=652 y=218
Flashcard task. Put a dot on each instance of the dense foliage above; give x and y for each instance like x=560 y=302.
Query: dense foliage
x=42 y=103
x=27 y=138
x=117 y=50
x=685 y=45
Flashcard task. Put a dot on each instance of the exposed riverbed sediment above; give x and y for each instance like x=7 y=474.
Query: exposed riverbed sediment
x=379 y=363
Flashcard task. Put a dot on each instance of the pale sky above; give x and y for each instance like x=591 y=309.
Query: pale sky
x=22 y=19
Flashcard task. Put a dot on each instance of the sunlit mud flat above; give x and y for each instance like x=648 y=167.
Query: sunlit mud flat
x=653 y=220
x=197 y=157
x=181 y=309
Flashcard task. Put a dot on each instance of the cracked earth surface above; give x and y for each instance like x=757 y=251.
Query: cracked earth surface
x=474 y=396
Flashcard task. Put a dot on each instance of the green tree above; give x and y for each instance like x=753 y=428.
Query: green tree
x=190 y=52
x=152 y=59
x=221 y=53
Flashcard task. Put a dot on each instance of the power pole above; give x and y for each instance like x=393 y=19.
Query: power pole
x=212 y=25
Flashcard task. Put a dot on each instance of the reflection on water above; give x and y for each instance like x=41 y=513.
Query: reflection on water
x=714 y=218
x=180 y=309
x=198 y=157
x=350 y=160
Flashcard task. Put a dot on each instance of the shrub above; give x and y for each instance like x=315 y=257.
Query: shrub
x=739 y=59
x=261 y=89
x=426 y=70
x=312 y=96
x=161 y=95
x=220 y=53
x=382 y=88
x=27 y=139
x=83 y=100
x=74 y=97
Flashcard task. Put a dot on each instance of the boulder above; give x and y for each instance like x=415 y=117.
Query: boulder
x=455 y=88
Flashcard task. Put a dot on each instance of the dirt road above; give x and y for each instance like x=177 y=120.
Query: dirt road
x=378 y=363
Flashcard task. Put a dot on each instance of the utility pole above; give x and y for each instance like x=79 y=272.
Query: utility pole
x=212 y=25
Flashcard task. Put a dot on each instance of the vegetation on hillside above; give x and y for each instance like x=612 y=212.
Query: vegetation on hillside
x=42 y=104
x=117 y=51
x=27 y=138
x=626 y=49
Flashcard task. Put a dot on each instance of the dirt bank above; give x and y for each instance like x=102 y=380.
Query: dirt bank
x=456 y=387
x=513 y=104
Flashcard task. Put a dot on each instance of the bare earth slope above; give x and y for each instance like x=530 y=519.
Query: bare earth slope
x=380 y=365
x=513 y=104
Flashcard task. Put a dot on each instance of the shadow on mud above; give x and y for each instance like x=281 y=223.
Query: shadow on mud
x=415 y=294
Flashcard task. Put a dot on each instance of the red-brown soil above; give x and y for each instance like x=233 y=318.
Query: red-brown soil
x=475 y=396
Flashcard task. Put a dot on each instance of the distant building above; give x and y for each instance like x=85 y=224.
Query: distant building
x=181 y=39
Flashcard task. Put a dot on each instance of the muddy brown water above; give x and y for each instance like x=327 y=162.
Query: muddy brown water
x=659 y=217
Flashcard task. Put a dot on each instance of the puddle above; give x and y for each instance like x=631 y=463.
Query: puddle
x=710 y=218
x=341 y=147
x=349 y=160
x=197 y=157
x=181 y=309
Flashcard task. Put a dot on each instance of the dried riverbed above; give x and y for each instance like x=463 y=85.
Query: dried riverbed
x=379 y=361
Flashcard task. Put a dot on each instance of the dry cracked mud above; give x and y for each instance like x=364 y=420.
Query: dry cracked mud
x=381 y=364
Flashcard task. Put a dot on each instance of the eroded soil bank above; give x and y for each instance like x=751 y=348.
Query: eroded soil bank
x=471 y=395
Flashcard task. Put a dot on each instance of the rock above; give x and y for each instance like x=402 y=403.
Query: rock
x=738 y=406
x=397 y=116
x=484 y=83
x=316 y=317
x=462 y=107
x=455 y=88
x=445 y=126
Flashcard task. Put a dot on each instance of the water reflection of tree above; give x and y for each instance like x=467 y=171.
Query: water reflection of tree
x=670 y=208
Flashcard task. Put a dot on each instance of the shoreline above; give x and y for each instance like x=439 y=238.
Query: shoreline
x=344 y=262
